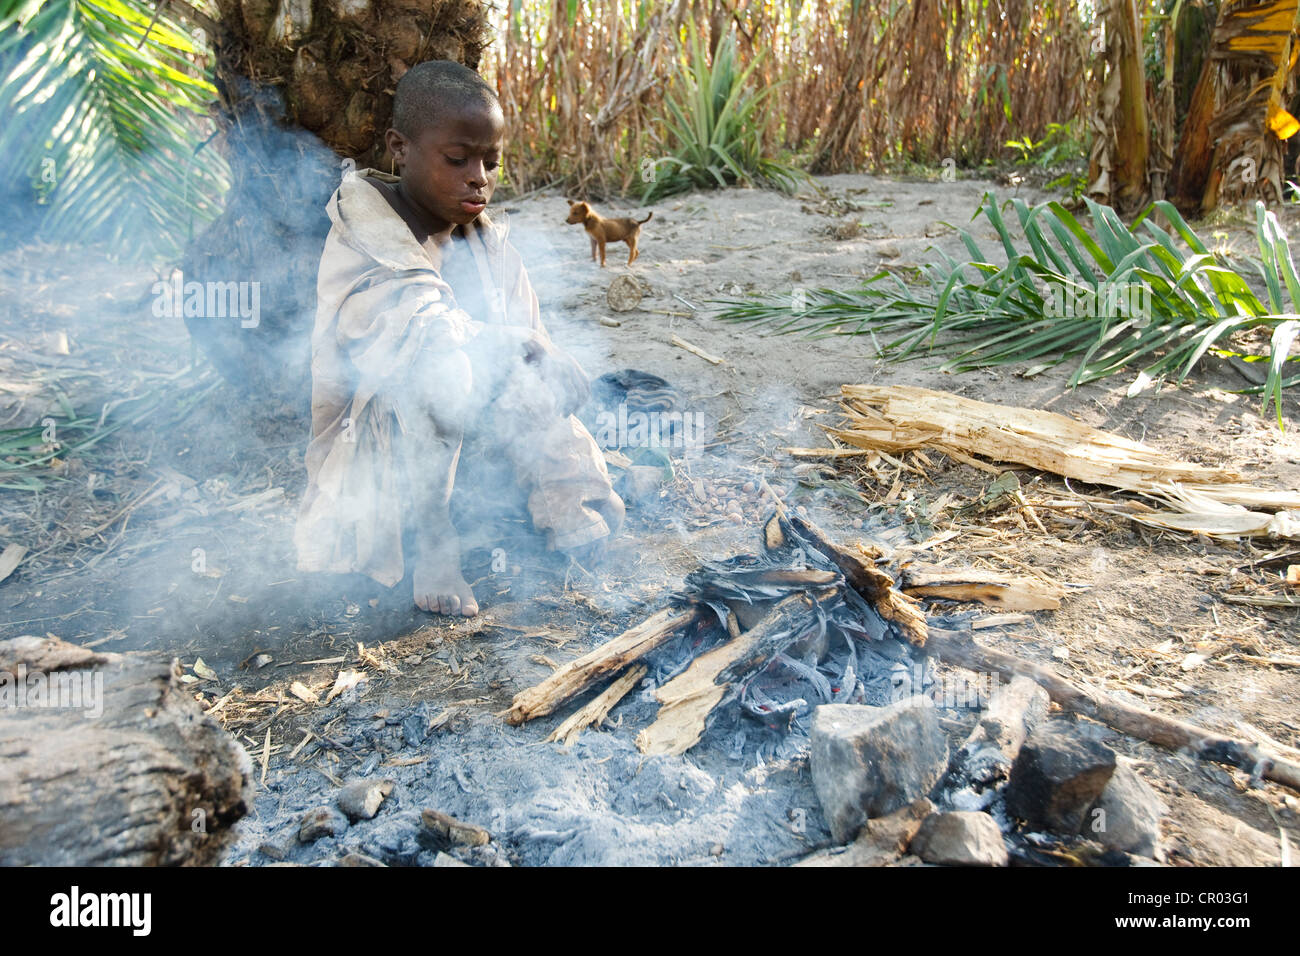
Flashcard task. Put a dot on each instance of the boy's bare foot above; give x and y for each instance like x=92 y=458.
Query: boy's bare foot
x=440 y=588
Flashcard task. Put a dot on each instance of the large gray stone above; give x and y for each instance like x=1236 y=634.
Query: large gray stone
x=961 y=838
x=870 y=761
x=1057 y=777
x=1127 y=817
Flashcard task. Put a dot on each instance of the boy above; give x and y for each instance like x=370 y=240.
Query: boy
x=427 y=329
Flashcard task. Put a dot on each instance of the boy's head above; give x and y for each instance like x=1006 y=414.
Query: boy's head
x=447 y=135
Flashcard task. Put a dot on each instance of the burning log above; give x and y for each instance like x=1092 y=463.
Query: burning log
x=579 y=675
x=876 y=587
x=958 y=648
x=714 y=678
x=106 y=760
x=598 y=708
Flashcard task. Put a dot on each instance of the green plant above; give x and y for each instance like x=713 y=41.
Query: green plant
x=102 y=106
x=1059 y=145
x=977 y=313
x=711 y=123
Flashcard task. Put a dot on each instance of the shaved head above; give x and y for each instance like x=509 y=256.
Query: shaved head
x=430 y=93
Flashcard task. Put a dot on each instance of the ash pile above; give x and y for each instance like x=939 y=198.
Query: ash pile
x=813 y=642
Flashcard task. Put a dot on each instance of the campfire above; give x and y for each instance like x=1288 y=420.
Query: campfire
x=805 y=622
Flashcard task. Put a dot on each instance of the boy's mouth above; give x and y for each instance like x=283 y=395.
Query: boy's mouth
x=474 y=205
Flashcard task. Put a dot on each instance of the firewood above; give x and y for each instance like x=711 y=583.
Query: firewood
x=874 y=585
x=958 y=648
x=578 y=675
x=902 y=417
x=717 y=677
x=598 y=708
x=1005 y=591
x=107 y=760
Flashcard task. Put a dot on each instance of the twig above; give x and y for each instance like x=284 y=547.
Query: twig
x=681 y=343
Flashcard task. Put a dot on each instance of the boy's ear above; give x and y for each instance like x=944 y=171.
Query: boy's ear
x=396 y=144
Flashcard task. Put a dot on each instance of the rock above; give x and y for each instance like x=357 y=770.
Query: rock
x=1127 y=817
x=443 y=859
x=359 y=859
x=1057 y=777
x=960 y=838
x=320 y=822
x=870 y=761
x=448 y=831
x=881 y=842
x=360 y=799
x=888 y=250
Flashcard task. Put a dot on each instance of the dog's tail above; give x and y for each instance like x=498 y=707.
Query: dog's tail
x=640 y=222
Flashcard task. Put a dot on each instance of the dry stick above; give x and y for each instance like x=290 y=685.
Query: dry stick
x=596 y=710
x=577 y=675
x=875 y=585
x=958 y=648
x=681 y=343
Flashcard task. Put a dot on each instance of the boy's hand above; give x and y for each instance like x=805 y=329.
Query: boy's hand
x=566 y=378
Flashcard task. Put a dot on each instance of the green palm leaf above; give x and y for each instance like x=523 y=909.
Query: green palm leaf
x=107 y=129
x=1176 y=305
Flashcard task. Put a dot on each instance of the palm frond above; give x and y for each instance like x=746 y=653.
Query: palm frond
x=1110 y=295
x=108 y=128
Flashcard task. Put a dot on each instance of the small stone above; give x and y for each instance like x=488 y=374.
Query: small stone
x=736 y=518
x=879 y=843
x=360 y=799
x=960 y=838
x=857 y=524
x=446 y=859
x=359 y=859
x=1127 y=817
x=749 y=487
x=888 y=250
x=717 y=849
x=320 y=822
x=1057 y=777
x=870 y=761
x=448 y=831
x=733 y=507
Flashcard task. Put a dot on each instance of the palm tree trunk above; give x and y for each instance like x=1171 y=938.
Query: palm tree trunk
x=1233 y=141
x=1118 y=167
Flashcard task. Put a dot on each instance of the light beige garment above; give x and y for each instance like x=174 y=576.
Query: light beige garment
x=393 y=387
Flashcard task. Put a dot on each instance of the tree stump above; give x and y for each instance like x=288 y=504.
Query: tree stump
x=106 y=759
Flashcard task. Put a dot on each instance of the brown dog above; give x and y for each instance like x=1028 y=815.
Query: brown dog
x=602 y=230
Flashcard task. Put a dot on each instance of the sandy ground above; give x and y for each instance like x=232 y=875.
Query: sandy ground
x=112 y=566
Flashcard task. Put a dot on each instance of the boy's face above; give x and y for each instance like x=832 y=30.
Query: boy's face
x=449 y=169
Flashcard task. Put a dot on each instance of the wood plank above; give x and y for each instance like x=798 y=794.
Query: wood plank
x=577 y=675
